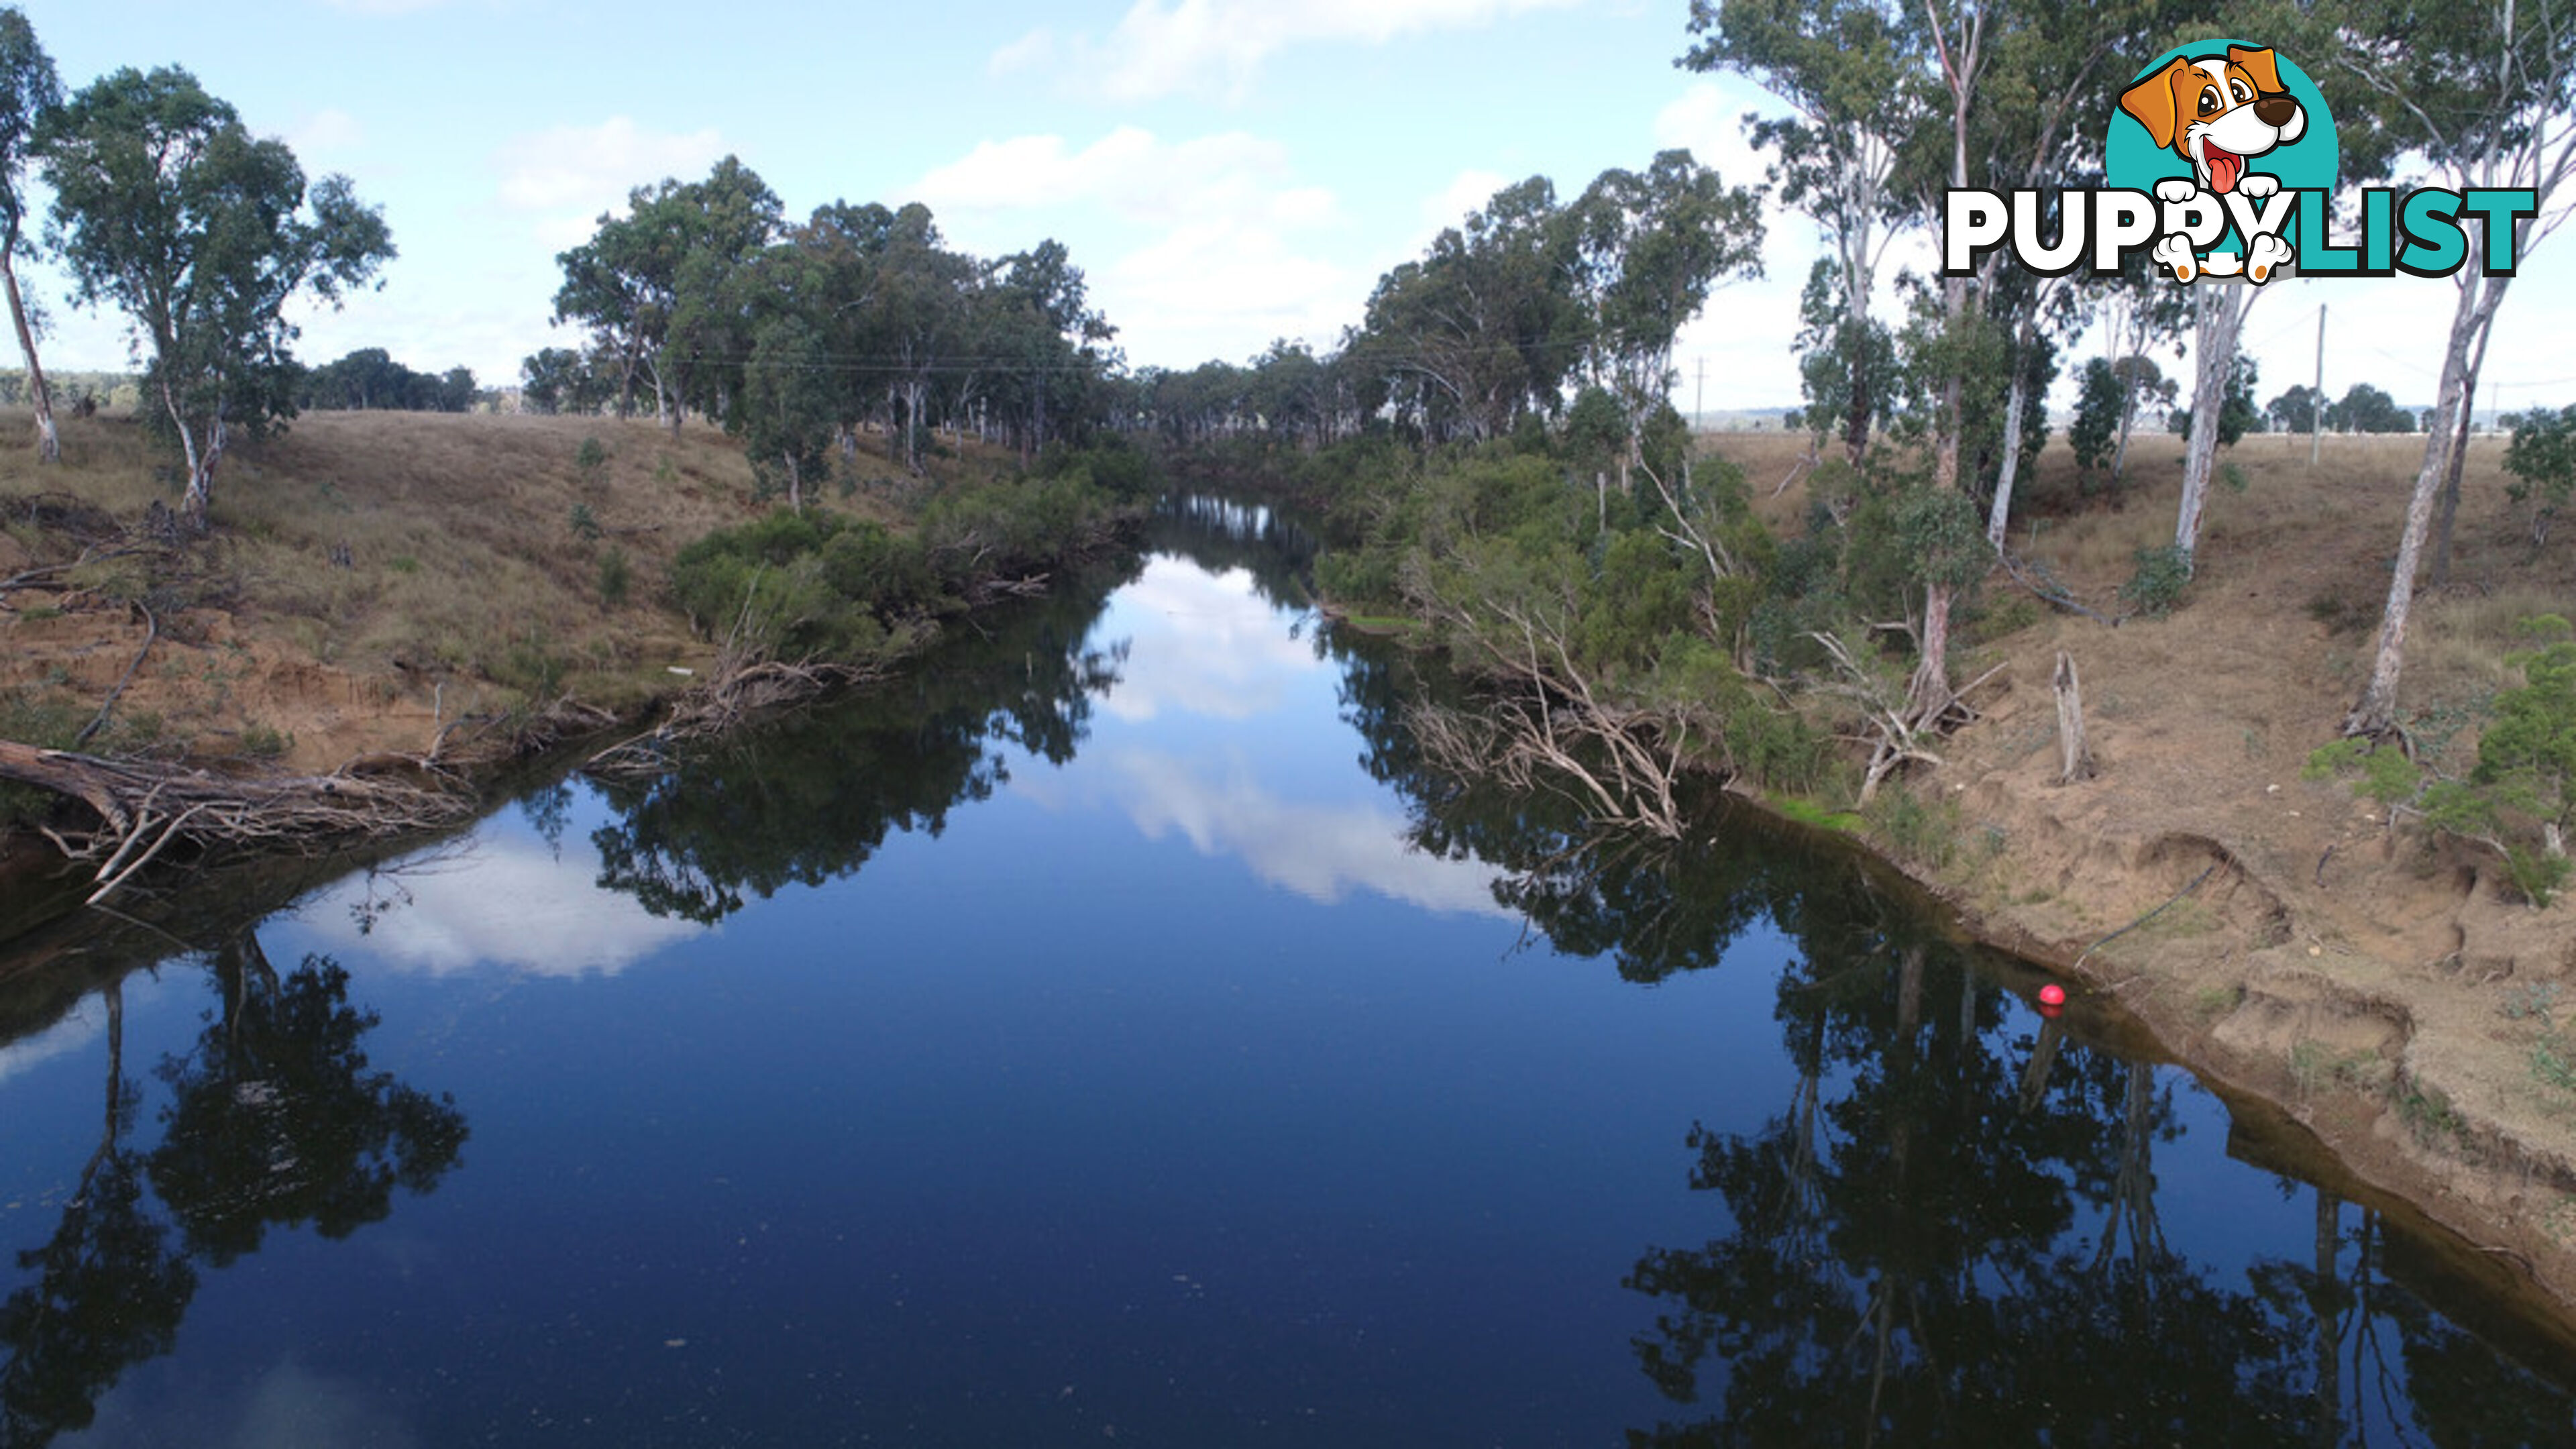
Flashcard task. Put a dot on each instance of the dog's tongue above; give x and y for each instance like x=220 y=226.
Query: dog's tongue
x=2224 y=167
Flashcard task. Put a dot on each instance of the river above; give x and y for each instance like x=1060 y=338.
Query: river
x=1113 y=1031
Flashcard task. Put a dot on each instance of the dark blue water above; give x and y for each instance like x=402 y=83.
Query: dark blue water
x=1114 y=1032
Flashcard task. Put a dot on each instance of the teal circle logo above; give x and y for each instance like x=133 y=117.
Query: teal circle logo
x=2167 y=96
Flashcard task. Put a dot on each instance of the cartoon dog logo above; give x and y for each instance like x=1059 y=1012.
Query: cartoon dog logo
x=2217 y=111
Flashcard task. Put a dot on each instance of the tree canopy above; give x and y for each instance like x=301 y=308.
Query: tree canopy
x=167 y=207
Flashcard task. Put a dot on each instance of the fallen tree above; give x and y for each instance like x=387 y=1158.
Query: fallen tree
x=144 y=807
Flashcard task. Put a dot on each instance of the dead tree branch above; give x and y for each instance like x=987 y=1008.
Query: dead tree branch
x=151 y=632
x=146 y=806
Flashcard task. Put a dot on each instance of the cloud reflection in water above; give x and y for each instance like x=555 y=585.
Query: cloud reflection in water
x=1322 y=852
x=508 y=902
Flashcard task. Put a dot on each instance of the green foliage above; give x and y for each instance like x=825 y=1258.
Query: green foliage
x=1925 y=833
x=2542 y=460
x=2158 y=584
x=2366 y=409
x=265 y=742
x=1846 y=364
x=2550 y=1066
x=1808 y=812
x=2099 y=399
x=168 y=207
x=585 y=525
x=2237 y=414
x=592 y=457
x=616 y=576
x=2526 y=770
x=47 y=723
x=2295 y=411
x=2386 y=776
x=370 y=379
x=2537 y=874
x=1939 y=530
x=2528 y=755
x=823 y=585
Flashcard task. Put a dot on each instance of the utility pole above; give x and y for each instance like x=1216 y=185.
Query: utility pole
x=1699 y=400
x=2317 y=403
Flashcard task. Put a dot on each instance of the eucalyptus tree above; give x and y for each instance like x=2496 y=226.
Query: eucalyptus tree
x=662 y=265
x=789 y=403
x=915 y=320
x=1649 y=247
x=29 y=89
x=2218 y=320
x=2024 y=85
x=167 y=206
x=1845 y=71
x=1041 y=339
x=2483 y=94
x=1485 y=327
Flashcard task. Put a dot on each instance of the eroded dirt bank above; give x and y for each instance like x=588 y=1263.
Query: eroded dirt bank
x=2388 y=991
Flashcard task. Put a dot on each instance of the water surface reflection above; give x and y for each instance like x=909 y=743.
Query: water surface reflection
x=1116 y=1028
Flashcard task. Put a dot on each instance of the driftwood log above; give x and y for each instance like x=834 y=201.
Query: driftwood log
x=143 y=807
x=2075 y=758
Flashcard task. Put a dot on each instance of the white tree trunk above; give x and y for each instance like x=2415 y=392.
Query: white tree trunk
x=49 y=447
x=2222 y=315
x=2014 y=401
x=2075 y=759
x=2375 y=713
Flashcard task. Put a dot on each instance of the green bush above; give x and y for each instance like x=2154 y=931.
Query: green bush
x=2157 y=586
x=615 y=576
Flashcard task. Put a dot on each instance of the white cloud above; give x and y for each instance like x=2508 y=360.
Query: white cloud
x=1708 y=119
x=1231 y=175
x=1214 y=47
x=507 y=903
x=1223 y=269
x=1450 y=206
x=325 y=133
x=1224 y=290
x=567 y=177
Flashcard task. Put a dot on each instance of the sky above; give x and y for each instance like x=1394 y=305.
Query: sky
x=1225 y=172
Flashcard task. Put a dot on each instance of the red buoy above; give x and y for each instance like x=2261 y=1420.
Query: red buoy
x=2052 y=995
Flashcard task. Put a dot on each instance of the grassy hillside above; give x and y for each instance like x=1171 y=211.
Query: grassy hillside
x=370 y=576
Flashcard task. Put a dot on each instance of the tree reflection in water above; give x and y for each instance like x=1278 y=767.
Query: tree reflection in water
x=814 y=795
x=1948 y=1233
x=274 y=1120
x=811 y=797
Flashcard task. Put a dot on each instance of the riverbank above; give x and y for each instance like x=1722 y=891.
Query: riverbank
x=403 y=587
x=2277 y=932
x=375 y=579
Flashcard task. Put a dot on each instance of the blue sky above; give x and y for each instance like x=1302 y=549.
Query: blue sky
x=1225 y=171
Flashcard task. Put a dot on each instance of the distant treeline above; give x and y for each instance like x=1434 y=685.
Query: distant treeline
x=370 y=380
x=71 y=389
x=794 y=336
x=366 y=379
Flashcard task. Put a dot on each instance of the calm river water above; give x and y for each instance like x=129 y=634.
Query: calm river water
x=1112 y=1032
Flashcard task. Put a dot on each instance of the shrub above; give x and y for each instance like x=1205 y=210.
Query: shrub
x=2157 y=586
x=614 y=576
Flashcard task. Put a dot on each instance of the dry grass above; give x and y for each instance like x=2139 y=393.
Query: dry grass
x=2270 y=644
x=372 y=573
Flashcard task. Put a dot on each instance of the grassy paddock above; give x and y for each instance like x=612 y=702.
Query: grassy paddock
x=469 y=558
